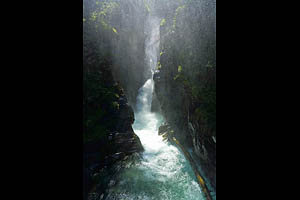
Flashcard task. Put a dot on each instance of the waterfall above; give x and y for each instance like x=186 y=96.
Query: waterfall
x=152 y=26
x=163 y=172
x=144 y=98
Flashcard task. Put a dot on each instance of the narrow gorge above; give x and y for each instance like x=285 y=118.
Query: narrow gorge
x=149 y=99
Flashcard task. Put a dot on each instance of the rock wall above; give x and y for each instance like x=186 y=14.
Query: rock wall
x=189 y=130
x=168 y=134
x=104 y=153
x=117 y=29
x=129 y=56
x=185 y=80
x=108 y=64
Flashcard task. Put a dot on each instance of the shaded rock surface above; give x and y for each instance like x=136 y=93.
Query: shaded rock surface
x=176 y=107
x=185 y=81
x=102 y=157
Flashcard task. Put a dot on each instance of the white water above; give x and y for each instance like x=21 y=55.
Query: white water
x=163 y=172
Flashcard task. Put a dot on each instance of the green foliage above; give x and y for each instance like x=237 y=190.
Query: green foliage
x=176 y=77
x=93 y=16
x=180 y=76
x=99 y=131
x=203 y=95
x=195 y=91
x=158 y=65
x=179 y=69
x=116 y=105
x=99 y=105
x=163 y=22
x=207 y=109
x=176 y=14
x=114 y=30
x=101 y=14
x=196 y=72
x=147 y=6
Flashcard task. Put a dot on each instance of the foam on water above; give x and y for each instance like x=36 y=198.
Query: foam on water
x=163 y=173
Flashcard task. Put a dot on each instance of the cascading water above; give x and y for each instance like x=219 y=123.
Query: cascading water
x=163 y=172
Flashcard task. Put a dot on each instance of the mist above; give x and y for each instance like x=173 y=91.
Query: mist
x=158 y=59
x=183 y=23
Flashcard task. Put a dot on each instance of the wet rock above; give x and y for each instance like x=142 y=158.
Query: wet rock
x=112 y=183
x=105 y=154
x=101 y=196
x=123 y=101
x=179 y=111
x=126 y=118
x=155 y=105
x=163 y=128
x=94 y=167
x=117 y=156
x=93 y=196
x=156 y=76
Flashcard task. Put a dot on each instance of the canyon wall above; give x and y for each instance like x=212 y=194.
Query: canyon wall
x=185 y=80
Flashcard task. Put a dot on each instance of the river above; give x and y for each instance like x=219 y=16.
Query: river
x=162 y=173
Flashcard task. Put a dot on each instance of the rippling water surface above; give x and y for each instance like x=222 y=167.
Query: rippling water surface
x=163 y=172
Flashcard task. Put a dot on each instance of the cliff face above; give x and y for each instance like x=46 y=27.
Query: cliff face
x=129 y=65
x=102 y=156
x=117 y=29
x=107 y=116
x=185 y=80
x=108 y=134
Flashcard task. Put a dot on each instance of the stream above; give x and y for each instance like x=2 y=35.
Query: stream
x=162 y=173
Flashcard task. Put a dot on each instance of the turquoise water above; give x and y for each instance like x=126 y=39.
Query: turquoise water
x=163 y=173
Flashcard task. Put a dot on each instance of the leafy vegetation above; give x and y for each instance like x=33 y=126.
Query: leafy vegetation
x=179 y=69
x=163 y=22
x=99 y=107
x=176 y=14
x=101 y=13
x=115 y=31
x=189 y=43
x=100 y=95
x=203 y=95
x=158 y=66
x=147 y=6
